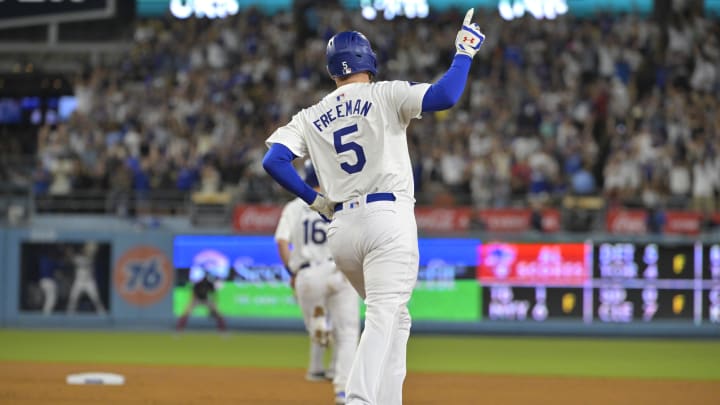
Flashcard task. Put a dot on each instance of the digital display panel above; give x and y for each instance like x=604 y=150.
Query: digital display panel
x=643 y=282
x=503 y=302
x=616 y=303
x=60 y=278
x=534 y=263
x=412 y=8
x=632 y=261
x=533 y=281
x=446 y=289
x=34 y=8
x=710 y=306
x=249 y=276
x=251 y=280
x=464 y=280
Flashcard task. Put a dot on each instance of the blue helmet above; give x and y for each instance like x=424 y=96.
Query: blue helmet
x=310 y=175
x=350 y=52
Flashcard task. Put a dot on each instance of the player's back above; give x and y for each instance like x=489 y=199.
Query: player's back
x=356 y=137
x=308 y=234
x=83 y=266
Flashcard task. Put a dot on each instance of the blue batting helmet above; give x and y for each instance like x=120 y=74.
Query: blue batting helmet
x=350 y=52
x=310 y=175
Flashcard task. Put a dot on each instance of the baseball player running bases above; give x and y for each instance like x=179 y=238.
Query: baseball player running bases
x=328 y=302
x=356 y=137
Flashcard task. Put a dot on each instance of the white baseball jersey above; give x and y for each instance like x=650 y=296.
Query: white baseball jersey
x=83 y=267
x=356 y=137
x=309 y=239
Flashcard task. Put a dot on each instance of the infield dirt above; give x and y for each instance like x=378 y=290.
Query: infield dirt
x=44 y=383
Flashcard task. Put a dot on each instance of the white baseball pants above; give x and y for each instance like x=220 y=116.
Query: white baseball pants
x=323 y=286
x=49 y=289
x=375 y=245
x=87 y=286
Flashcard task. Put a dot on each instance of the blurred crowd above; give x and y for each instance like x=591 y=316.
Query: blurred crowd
x=615 y=106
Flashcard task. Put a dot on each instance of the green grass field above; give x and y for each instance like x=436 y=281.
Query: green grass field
x=640 y=358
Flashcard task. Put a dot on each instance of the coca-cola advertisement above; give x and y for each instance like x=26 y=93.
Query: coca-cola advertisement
x=627 y=221
x=519 y=220
x=550 y=220
x=440 y=220
x=562 y=264
x=256 y=218
x=682 y=222
x=505 y=220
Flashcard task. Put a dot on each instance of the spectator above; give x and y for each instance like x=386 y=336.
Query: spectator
x=582 y=181
x=551 y=105
x=705 y=176
x=679 y=181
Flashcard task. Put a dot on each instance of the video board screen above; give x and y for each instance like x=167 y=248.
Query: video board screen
x=710 y=300
x=69 y=277
x=533 y=281
x=251 y=280
x=464 y=280
x=643 y=281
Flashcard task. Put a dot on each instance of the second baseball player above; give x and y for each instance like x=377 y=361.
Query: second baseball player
x=328 y=301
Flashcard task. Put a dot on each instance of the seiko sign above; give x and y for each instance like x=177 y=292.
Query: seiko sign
x=16 y=13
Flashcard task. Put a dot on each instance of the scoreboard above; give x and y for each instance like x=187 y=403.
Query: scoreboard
x=471 y=283
x=533 y=281
x=644 y=281
x=602 y=282
x=709 y=302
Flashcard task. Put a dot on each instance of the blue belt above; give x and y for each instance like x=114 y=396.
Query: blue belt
x=372 y=198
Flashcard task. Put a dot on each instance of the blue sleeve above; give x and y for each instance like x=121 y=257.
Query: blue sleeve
x=278 y=163
x=447 y=91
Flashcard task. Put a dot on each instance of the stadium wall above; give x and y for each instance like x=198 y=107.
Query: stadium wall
x=140 y=277
x=3 y=277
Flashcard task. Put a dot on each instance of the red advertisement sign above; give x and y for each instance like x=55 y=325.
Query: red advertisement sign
x=505 y=220
x=534 y=263
x=256 y=218
x=682 y=222
x=626 y=221
x=517 y=220
x=443 y=219
x=550 y=220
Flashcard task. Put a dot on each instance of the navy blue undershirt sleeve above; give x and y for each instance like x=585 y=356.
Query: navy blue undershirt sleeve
x=447 y=91
x=278 y=163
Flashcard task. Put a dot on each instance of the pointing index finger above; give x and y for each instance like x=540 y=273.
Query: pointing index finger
x=468 y=16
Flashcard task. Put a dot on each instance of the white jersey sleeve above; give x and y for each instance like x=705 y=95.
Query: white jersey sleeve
x=291 y=135
x=407 y=97
x=288 y=219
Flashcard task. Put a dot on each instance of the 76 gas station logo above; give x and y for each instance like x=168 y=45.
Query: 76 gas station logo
x=143 y=275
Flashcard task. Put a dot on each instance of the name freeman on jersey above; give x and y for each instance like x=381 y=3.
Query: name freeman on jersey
x=344 y=109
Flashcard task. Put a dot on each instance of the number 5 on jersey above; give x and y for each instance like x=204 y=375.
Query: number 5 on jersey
x=341 y=147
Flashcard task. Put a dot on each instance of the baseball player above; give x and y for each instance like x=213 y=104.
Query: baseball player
x=356 y=137
x=48 y=266
x=202 y=292
x=323 y=293
x=84 y=262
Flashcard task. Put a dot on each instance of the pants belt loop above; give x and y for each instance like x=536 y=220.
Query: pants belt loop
x=371 y=198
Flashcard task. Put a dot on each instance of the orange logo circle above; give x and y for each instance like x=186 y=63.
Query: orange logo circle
x=142 y=276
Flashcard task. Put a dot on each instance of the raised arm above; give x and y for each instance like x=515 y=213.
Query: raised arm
x=444 y=93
